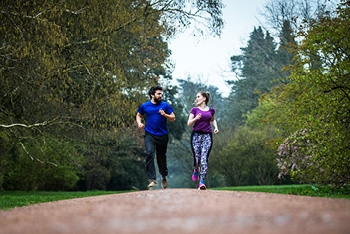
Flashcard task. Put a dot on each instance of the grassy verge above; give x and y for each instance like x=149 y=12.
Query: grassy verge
x=12 y=199
x=301 y=190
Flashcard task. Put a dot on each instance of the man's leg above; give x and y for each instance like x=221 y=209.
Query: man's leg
x=161 y=148
x=150 y=153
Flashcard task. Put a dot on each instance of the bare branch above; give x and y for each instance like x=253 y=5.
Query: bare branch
x=24 y=148
x=78 y=11
x=24 y=125
x=32 y=158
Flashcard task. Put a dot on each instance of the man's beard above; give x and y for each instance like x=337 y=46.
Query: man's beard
x=157 y=100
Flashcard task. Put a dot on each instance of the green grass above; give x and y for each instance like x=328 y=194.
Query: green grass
x=301 y=190
x=12 y=199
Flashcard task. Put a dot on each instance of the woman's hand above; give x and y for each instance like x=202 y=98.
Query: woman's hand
x=216 y=131
x=198 y=117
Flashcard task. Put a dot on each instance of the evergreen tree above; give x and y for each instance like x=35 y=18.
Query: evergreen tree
x=285 y=52
x=257 y=73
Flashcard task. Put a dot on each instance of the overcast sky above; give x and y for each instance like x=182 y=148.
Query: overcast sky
x=209 y=58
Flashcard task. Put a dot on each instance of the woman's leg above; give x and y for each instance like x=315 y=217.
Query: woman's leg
x=196 y=148
x=206 y=146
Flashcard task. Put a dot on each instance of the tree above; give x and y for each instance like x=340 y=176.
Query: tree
x=249 y=158
x=285 y=51
x=70 y=69
x=29 y=168
x=317 y=104
x=257 y=71
x=296 y=12
x=203 y=15
x=56 y=81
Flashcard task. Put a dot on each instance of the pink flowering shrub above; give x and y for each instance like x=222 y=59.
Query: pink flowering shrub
x=314 y=161
x=295 y=155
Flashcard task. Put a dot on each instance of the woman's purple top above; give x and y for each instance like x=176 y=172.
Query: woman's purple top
x=203 y=124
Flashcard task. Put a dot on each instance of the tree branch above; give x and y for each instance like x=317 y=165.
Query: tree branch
x=32 y=158
x=24 y=125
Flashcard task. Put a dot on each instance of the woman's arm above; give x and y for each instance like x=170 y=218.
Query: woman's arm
x=191 y=119
x=215 y=125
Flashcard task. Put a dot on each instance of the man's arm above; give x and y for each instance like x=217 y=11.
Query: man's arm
x=139 y=120
x=171 y=117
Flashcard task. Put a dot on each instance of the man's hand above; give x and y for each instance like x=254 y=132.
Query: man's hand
x=161 y=111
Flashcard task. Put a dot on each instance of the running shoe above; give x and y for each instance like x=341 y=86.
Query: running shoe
x=195 y=175
x=164 y=183
x=202 y=186
x=152 y=184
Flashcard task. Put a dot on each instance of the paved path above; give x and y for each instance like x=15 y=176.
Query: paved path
x=179 y=211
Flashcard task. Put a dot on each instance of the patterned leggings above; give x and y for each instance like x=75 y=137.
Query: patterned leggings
x=201 y=146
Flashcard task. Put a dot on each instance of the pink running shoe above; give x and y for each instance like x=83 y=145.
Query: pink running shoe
x=195 y=175
x=202 y=186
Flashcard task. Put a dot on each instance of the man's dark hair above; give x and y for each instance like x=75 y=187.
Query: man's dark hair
x=153 y=90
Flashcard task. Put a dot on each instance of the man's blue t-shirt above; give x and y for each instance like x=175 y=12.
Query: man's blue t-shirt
x=155 y=122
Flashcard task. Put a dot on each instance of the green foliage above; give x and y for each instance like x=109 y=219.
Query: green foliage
x=70 y=69
x=285 y=51
x=114 y=161
x=250 y=155
x=248 y=158
x=129 y=173
x=5 y=157
x=317 y=103
x=177 y=128
x=54 y=167
x=258 y=71
x=309 y=109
